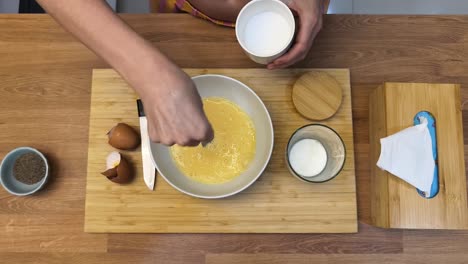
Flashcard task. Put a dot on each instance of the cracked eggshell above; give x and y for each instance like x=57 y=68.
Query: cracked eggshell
x=118 y=168
x=124 y=137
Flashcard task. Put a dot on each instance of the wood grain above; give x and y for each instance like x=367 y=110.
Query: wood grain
x=349 y=258
x=379 y=179
x=395 y=203
x=276 y=203
x=101 y=258
x=435 y=241
x=45 y=233
x=39 y=57
x=368 y=240
x=317 y=95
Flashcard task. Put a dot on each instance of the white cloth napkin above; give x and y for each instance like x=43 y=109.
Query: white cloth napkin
x=408 y=155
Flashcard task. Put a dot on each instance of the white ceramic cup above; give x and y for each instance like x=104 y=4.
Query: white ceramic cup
x=267 y=37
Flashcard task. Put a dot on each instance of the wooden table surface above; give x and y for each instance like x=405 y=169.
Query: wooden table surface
x=45 y=80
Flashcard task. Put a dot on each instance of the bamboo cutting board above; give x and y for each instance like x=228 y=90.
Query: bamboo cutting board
x=276 y=203
x=395 y=203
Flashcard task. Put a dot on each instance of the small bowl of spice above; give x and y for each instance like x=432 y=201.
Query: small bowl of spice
x=24 y=171
x=315 y=153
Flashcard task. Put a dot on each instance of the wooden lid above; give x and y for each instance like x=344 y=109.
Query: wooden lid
x=317 y=95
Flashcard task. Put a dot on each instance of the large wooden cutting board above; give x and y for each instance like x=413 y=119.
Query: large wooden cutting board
x=276 y=203
x=395 y=203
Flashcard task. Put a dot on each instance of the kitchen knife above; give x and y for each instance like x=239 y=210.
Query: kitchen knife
x=149 y=171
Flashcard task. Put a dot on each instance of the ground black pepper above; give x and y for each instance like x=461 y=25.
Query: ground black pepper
x=29 y=168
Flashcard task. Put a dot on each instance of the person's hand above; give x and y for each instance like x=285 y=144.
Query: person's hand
x=172 y=104
x=310 y=22
x=174 y=109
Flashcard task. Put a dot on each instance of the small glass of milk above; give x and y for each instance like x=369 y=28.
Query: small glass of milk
x=265 y=29
x=315 y=153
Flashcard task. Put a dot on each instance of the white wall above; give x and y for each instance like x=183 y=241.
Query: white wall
x=134 y=6
x=12 y=6
x=112 y=3
x=419 y=7
x=398 y=7
x=9 y=6
x=336 y=7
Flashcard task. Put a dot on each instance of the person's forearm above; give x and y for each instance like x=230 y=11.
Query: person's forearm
x=95 y=24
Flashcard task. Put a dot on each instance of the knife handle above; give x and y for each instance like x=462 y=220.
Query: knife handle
x=141 y=110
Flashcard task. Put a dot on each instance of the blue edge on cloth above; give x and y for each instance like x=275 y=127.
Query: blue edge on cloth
x=431 y=125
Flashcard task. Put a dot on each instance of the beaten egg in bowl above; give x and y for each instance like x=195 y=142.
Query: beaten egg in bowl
x=239 y=94
x=230 y=152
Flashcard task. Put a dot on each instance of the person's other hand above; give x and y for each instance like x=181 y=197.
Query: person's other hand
x=310 y=22
x=174 y=109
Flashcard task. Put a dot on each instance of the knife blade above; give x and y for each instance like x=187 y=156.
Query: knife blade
x=149 y=171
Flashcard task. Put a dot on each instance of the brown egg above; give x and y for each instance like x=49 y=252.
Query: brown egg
x=118 y=168
x=124 y=137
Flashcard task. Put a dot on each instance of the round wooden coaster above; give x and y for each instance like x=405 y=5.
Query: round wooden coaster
x=317 y=95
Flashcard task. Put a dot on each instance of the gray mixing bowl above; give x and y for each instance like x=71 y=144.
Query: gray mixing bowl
x=242 y=95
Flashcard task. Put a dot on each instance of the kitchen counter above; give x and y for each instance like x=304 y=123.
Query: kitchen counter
x=45 y=81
